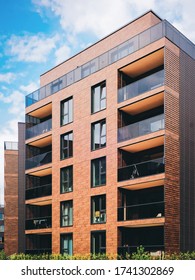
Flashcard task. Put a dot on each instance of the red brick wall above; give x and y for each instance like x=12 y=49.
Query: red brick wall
x=11 y=201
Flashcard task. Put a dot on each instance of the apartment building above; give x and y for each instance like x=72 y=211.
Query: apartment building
x=110 y=146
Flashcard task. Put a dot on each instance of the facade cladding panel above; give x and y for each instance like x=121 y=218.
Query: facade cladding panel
x=147 y=147
x=187 y=151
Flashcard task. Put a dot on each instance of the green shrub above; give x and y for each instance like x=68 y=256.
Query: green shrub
x=2 y=255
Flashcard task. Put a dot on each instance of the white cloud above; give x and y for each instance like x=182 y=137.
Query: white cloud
x=16 y=99
x=101 y=17
x=35 y=48
x=7 y=77
x=29 y=88
x=62 y=54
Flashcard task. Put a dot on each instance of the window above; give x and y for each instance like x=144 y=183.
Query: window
x=66 y=213
x=98 y=172
x=98 y=135
x=1 y=216
x=67 y=145
x=66 y=244
x=98 y=242
x=66 y=179
x=98 y=209
x=66 y=111
x=98 y=97
x=2 y=228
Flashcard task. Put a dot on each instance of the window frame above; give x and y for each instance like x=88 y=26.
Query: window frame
x=62 y=149
x=100 y=172
x=101 y=85
x=69 y=180
x=69 y=215
x=69 y=238
x=98 y=234
x=101 y=135
x=98 y=216
x=69 y=116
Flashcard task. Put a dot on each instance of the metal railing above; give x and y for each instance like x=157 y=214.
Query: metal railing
x=39 y=129
x=39 y=160
x=141 y=169
x=143 y=85
x=37 y=223
x=141 y=211
x=39 y=191
x=141 y=128
x=8 y=145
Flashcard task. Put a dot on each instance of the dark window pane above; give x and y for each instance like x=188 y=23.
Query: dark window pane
x=98 y=139
x=66 y=213
x=66 y=145
x=98 y=209
x=98 y=170
x=66 y=111
x=98 y=242
x=98 y=97
x=66 y=179
x=66 y=246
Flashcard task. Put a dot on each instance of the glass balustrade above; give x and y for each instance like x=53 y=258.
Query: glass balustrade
x=141 y=211
x=141 y=169
x=141 y=128
x=143 y=85
x=39 y=129
x=39 y=160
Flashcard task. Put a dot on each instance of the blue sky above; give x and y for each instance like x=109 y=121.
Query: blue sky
x=36 y=35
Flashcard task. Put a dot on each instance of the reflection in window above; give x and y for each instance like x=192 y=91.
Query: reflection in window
x=66 y=213
x=98 y=97
x=66 y=179
x=98 y=209
x=98 y=172
x=98 y=242
x=66 y=111
x=66 y=244
x=98 y=135
x=66 y=145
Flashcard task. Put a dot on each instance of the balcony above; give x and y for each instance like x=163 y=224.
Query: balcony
x=39 y=129
x=38 y=243
x=142 y=169
x=141 y=211
x=40 y=191
x=39 y=160
x=143 y=85
x=39 y=223
x=123 y=250
x=141 y=128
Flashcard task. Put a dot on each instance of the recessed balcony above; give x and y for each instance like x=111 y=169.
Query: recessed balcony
x=141 y=211
x=39 y=160
x=38 y=243
x=38 y=217
x=39 y=129
x=38 y=186
x=141 y=169
x=141 y=128
x=38 y=223
x=136 y=88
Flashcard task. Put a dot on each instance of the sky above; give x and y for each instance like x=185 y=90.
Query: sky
x=36 y=35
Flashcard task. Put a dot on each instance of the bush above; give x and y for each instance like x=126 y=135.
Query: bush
x=2 y=255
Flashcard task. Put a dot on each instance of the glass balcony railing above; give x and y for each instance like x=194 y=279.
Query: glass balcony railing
x=141 y=128
x=152 y=34
x=141 y=211
x=39 y=160
x=141 y=169
x=143 y=85
x=40 y=191
x=37 y=223
x=39 y=129
x=123 y=250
